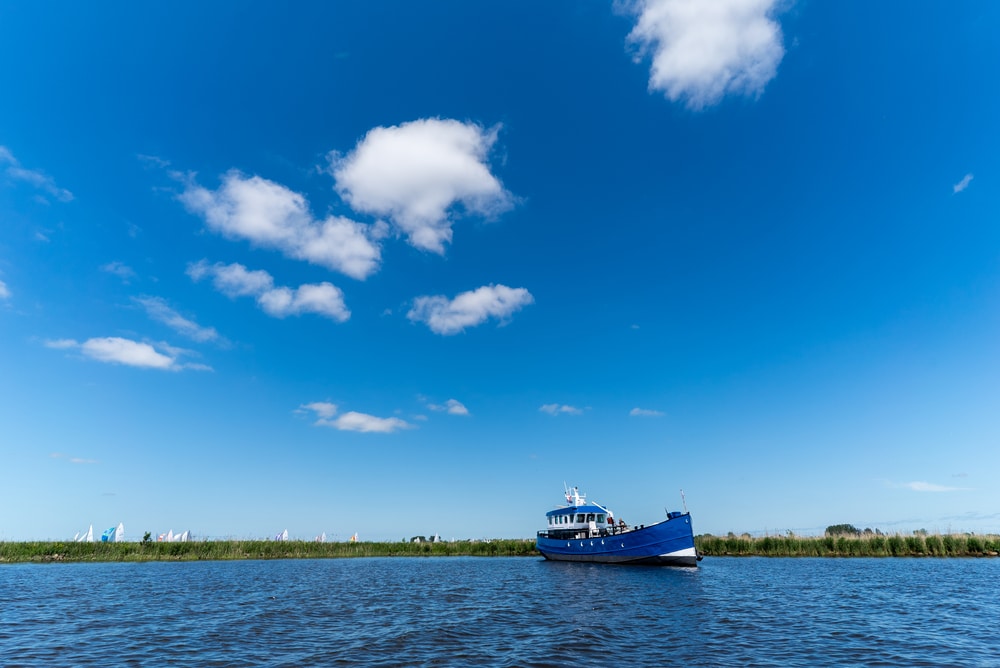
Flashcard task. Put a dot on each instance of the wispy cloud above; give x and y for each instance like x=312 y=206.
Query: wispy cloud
x=152 y=161
x=235 y=280
x=119 y=269
x=72 y=460
x=702 y=51
x=116 y=350
x=963 y=184
x=444 y=316
x=560 y=409
x=326 y=413
x=4 y=291
x=921 y=486
x=452 y=407
x=158 y=309
x=271 y=216
x=33 y=177
x=416 y=173
x=645 y=412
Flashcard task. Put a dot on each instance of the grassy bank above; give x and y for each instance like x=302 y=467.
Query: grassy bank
x=957 y=545
x=44 y=552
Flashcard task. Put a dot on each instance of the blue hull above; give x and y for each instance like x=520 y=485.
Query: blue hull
x=668 y=543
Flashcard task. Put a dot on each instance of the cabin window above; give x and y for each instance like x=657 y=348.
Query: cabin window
x=590 y=517
x=580 y=518
x=600 y=518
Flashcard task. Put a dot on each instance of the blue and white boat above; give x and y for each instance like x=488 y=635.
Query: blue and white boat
x=581 y=531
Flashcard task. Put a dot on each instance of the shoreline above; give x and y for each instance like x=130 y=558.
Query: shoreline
x=842 y=546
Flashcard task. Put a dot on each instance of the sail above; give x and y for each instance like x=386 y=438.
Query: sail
x=120 y=533
x=354 y=538
x=108 y=536
x=89 y=538
x=170 y=536
x=321 y=538
x=183 y=537
x=283 y=535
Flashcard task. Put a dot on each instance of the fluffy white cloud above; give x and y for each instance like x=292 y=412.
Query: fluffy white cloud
x=157 y=309
x=645 y=412
x=4 y=291
x=353 y=421
x=116 y=350
x=963 y=184
x=702 y=50
x=272 y=216
x=324 y=409
x=415 y=174
x=452 y=407
x=557 y=409
x=234 y=280
x=444 y=316
x=34 y=177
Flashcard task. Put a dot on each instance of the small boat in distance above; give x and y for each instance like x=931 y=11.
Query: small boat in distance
x=581 y=531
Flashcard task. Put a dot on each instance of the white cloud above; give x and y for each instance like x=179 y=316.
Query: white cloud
x=4 y=290
x=703 y=50
x=452 y=407
x=444 y=316
x=417 y=172
x=557 y=409
x=271 y=216
x=157 y=309
x=116 y=350
x=324 y=409
x=119 y=269
x=645 y=412
x=33 y=177
x=72 y=460
x=920 y=486
x=234 y=280
x=963 y=184
x=353 y=421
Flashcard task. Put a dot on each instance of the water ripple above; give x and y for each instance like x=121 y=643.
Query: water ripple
x=501 y=612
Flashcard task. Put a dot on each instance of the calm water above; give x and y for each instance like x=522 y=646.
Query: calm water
x=502 y=612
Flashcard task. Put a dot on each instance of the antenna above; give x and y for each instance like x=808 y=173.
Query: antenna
x=683 y=502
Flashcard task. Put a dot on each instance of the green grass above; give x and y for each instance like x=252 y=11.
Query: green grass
x=950 y=545
x=220 y=550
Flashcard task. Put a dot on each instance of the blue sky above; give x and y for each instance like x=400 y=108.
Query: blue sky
x=403 y=268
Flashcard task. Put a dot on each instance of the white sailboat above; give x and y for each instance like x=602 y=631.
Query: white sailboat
x=85 y=536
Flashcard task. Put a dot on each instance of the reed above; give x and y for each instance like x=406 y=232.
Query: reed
x=221 y=550
x=948 y=545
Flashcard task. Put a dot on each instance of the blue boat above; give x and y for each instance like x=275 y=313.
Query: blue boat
x=581 y=531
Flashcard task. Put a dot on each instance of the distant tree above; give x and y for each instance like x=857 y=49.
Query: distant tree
x=920 y=532
x=842 y=529
x=147 y=538
x=868 y=532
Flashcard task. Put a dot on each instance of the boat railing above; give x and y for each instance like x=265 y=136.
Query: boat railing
x=578 y=534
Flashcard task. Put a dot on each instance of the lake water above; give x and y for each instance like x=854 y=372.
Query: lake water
x=445 y=611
